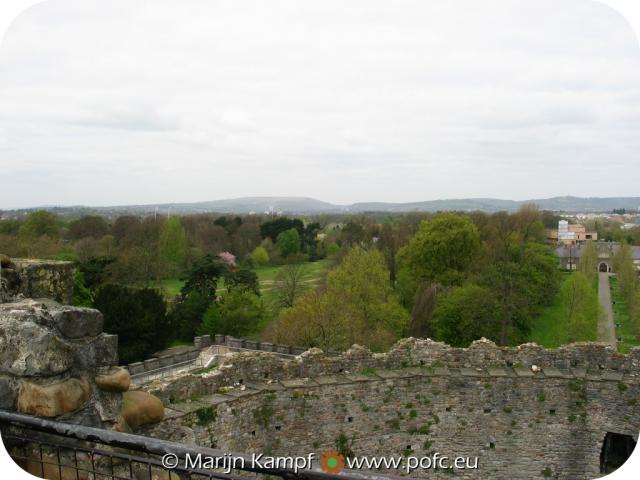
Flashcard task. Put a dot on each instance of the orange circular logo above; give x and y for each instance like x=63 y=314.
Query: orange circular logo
x=332 y=462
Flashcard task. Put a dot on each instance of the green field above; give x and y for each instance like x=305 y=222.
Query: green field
x=550 y=328
x=312 y=271
x=312 y=275
x=621 y=316
x=170 y=287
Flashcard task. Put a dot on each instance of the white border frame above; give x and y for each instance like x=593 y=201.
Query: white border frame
x=10 y=9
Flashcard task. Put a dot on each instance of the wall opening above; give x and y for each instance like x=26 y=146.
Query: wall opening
x=616 y=449
x=603 y=267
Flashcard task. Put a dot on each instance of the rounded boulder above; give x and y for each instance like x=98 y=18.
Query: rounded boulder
x=116 y=379
x=141 y=408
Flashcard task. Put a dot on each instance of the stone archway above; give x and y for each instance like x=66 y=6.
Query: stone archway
x=616 y=449
x=603 y=267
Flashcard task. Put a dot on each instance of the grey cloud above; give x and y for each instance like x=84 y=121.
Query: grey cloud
x=344 y=101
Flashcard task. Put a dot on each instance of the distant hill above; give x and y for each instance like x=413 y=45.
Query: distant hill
x=303 y=205
x=559 y=204
x=238 y=205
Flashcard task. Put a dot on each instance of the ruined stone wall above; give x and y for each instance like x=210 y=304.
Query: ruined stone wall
x=202 y=342
x=39 y=279
x=411 y=352
x=526 y=412
x=56 y=362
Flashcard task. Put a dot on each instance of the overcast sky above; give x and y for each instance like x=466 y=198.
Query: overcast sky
x=120 y=102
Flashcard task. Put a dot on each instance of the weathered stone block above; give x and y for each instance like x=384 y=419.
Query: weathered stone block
x=43 y=279
x=101 y=351
x=77 y=322
x=115 y=379
x=53 y=400
x=151 y=364
x=235 y=342
x=108 y=405
x=167 y=360
x=136 y=367
x=20 y=337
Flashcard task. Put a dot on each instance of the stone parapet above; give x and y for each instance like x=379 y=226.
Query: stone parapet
x=482 y=359
x=50 y=356
x=525 y=412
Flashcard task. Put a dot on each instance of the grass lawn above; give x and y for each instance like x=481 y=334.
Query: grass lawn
x=550 y=328
x=312 y=271
x=313 y=274
x=621 y=316
x=170 y=287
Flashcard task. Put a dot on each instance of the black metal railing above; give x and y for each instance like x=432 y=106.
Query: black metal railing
x=62 y=451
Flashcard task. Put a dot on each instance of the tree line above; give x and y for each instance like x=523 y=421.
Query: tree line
x=629 y=282
x=454 y=277
x=450 y=276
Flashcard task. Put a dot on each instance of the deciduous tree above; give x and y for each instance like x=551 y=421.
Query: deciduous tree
x=260 y=256
x=288 y=242
x=443 y=249
x=465 y=314
x=173 y=244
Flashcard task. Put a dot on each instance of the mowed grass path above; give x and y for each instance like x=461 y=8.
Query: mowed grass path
x=621 y=316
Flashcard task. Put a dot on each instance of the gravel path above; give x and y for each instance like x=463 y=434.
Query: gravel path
x=606 y=326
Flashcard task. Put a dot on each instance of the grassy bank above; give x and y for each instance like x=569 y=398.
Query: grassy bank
x=621 y=317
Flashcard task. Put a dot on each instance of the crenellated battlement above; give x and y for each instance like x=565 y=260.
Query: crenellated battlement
x=412 y=356
x=419 y=397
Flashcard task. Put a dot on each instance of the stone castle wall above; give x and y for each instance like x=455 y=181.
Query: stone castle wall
x=525 y=412
x=483 y=354
x=202 y=342
x=54 y=357
x=56 y=362
x=52 y=360
x=39 y=279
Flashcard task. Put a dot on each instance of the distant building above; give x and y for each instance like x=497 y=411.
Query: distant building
x=629 y=226
x=570 y=234
x=569 y=255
